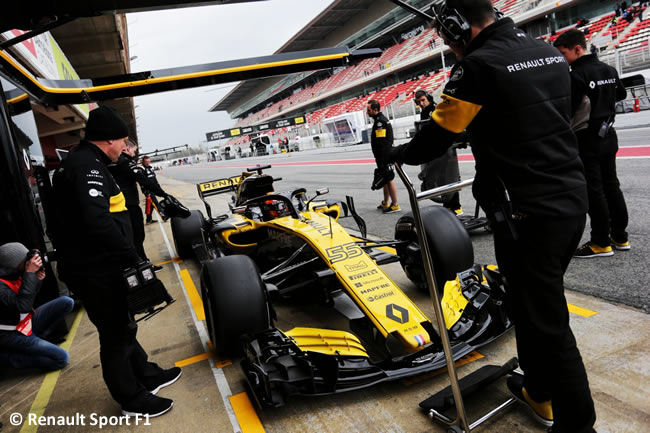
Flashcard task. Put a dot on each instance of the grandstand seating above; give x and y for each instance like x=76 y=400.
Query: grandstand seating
x=597 y=26
x=405 y=51
x=637 y=37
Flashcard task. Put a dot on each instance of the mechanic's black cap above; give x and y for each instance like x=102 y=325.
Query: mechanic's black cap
x=104 y=123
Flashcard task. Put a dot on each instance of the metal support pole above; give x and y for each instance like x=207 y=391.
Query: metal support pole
x=461 y=419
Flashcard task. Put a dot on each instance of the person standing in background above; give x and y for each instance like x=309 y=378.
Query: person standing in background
x=595 y=89
x=381 y=141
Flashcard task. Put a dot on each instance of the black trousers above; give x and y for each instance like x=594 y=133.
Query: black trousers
x=453 y=203
x=125 y=367
x=607 y=208
x=137 y=226
x=533 y=267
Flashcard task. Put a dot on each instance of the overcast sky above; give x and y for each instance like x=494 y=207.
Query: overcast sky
x=180 y=37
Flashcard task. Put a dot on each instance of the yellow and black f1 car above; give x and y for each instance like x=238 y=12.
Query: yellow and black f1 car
x=277 y=244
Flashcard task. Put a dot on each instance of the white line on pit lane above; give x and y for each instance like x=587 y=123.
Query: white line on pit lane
x=219 y=376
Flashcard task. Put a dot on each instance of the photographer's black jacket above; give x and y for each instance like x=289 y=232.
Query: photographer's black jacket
x=127 y=173
x=381 y=137
x=13 y=304
x=512 y=94
x=93 y=228
x=600 y=83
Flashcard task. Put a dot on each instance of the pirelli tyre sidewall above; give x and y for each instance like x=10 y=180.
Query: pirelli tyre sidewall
x=235 y=302
x=449 y=242
x=187 y=232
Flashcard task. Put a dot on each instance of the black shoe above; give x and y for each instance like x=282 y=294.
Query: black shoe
x=542 y=411
x=165 y=378
x=157 y=268
x=149 y=406
x=590 y=249
x=152 y=221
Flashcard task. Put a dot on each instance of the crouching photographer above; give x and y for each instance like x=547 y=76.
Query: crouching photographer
x=23 y=330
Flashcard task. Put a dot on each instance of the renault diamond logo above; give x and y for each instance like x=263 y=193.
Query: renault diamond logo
x=397 y=313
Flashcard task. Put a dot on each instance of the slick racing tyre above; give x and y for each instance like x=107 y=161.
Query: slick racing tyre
x=187 y=232
x=234 y=299
x=449 y=243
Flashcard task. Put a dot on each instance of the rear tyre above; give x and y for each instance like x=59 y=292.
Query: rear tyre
x=234 y=299
x=187 y=232
x=449 y=242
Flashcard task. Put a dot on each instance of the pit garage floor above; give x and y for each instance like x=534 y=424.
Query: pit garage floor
x=211 y=395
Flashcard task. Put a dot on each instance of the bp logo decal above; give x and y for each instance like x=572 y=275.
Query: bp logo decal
x=397 y=313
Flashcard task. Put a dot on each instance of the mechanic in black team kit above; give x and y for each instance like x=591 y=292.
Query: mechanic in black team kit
x=595 y=88
x=94 y=244
x=381 y=141
x=128 y=174
x=151 y=188
x=512 y=94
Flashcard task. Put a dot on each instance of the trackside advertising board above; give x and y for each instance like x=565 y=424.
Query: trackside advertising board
x=246 y=130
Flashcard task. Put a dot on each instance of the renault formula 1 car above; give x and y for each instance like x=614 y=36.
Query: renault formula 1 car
x=273 y=245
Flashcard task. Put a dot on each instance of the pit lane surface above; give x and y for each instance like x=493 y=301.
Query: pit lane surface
x=348 y=171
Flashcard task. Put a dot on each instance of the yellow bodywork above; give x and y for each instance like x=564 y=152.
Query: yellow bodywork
x=383 y=302
x=453 y=301
x=327 y=341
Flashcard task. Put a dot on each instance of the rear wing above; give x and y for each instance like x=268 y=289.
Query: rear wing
x=214 y=187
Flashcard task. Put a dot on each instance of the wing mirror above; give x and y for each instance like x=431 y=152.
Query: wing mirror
x=319 y=192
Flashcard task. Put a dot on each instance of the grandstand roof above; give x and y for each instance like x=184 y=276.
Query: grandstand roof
x=334 y=17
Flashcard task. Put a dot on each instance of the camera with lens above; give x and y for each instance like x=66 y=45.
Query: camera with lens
x=34 y=252
x=145 y=294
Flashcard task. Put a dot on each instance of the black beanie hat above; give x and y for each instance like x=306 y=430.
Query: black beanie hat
x=104 y=123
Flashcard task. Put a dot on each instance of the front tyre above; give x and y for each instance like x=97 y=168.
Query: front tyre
x=449 y=243
x=187 y=232
x=234 y=299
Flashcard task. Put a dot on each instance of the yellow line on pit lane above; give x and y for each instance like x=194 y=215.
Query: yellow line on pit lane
x=198 y=358
x=193 y=294
x=49 y=382
x=245 y=413
x=174 y=260
x=581 y=311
